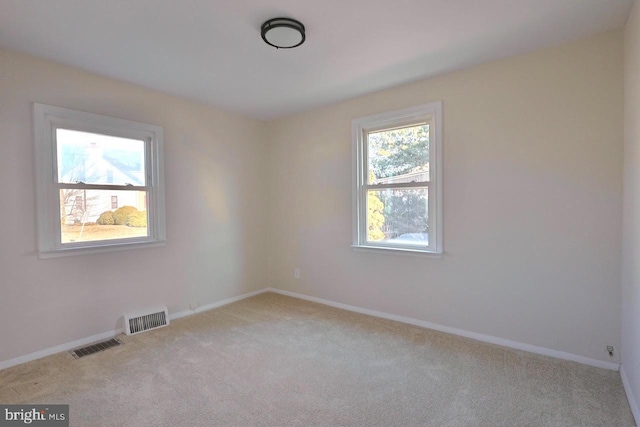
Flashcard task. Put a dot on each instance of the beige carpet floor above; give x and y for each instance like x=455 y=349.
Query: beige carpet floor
x=275 y=360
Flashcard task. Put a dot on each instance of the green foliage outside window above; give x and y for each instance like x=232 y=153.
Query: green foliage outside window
x=393 y=153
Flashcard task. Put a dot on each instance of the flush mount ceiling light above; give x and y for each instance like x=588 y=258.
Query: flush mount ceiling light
x=283 y=33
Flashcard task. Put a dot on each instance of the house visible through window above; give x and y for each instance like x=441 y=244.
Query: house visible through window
x=79 y=203
x=104 y=171
x=397 y=187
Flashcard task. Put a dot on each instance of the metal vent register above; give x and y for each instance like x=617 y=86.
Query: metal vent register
x=95 y=348
x=137 y=323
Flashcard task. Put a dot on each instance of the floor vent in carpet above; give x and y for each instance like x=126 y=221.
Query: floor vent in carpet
x=95 y=348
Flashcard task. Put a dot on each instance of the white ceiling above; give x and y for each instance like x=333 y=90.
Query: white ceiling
x=211 y=51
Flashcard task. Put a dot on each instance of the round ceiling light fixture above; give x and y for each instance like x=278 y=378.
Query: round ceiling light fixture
x=283 y=33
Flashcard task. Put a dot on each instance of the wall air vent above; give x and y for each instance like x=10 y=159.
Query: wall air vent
x=140 y=322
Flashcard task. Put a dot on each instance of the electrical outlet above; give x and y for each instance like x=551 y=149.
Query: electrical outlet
x=610 y=349
x=296 y=273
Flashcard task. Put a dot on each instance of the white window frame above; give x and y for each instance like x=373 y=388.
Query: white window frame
x=360 y=128
x=49 y=118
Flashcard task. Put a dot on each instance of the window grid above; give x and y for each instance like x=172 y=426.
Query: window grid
x=149 y=225
x=361 y=129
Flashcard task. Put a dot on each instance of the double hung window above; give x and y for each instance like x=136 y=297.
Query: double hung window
x=397 y=184
x=99 y=182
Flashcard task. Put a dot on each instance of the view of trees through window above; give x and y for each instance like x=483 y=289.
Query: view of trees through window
x=398 y=213
x=86 y=160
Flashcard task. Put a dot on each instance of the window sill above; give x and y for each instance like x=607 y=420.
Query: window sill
x=85 y=250
x=397 y=251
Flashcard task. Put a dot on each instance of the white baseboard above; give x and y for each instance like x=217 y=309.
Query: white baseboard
x=461 y=332
x=59 y=348
x=216 y=304
x=429 y=325
x=633 y=403
x=110 y=334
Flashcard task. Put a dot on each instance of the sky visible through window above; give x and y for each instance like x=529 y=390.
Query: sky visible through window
x=99 y=159
x=89 y=214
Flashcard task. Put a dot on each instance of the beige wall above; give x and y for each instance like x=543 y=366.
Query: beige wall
x=631 y=219
x=532 y=190
x=214 y=164
x=532 y=202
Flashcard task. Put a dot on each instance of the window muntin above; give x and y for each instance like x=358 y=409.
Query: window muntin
x=100 y=182
x=397 y=181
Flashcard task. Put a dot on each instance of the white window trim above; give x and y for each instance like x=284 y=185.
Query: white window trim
x=46 y=120
x=359 y=127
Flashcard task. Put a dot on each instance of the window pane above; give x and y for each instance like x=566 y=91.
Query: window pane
x=398 y=216
x=87 y=215
x=399 y=155
x=99 y=159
